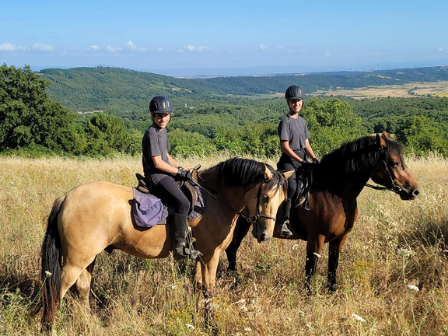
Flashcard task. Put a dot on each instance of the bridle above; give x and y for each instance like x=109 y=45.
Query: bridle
x=395 y=188
x=253 y=218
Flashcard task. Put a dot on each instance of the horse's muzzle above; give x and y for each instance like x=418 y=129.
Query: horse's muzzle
x=408 y=195
x=261 y=238
x=260 y=233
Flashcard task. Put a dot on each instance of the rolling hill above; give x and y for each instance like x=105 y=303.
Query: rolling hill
x=126 y=92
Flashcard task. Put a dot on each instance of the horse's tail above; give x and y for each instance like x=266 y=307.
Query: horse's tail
x=51 y=254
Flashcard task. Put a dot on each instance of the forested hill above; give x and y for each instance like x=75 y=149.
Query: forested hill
x=211 y=115
x=124 y=92
x=323 y=81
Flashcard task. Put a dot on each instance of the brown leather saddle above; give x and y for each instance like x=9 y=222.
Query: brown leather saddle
x=186 y=187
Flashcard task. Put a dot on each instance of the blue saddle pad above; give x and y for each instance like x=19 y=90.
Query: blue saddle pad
x=148 y=210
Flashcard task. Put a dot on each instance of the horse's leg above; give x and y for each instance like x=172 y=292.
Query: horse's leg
x=83 y=286
x=241 y=228
x=313 y=250
x=71 y=272
x=198 y=284
x=209 y=269
x=333 y=262
x=209 y=277
x=69 y=276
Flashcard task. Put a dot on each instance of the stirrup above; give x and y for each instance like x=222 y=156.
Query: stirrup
x=194 y=254
x=283 y=230
x=180 y=253
x=183 y=252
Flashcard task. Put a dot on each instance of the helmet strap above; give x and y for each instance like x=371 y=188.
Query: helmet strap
x=153 y=122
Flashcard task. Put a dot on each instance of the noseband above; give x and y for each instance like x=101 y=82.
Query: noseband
x=395 y=188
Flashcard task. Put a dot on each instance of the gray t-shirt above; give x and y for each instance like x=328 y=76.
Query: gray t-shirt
x=155 y=143
x=295 y=131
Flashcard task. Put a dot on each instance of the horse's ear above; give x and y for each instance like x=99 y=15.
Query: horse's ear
x=381 y=141
x=384 y=135
x=195 y=172
x=288 y=174
x=267 y=173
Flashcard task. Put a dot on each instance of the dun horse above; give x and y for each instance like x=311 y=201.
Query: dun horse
x=97 y=216
x=337 y=182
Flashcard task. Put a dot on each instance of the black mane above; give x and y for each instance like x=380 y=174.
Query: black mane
x=247 y=173
x=360 y=155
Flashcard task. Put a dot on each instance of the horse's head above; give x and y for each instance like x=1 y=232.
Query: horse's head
x=263 y=200
x=391 y=172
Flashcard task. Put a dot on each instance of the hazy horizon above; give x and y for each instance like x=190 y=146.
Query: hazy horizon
x=260 y=70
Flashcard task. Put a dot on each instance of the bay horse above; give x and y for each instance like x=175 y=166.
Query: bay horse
x=337 y=182
x=96 y=216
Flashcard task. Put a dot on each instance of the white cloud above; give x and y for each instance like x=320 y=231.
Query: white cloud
x=443 y=49
x=43 y=47
x=198 y=49
x=131 y=45
x=112 y=48
x=263 y=47
x=10 y=47
x=94 y=47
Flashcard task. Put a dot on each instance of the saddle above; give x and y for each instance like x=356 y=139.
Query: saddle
x=185 y=186
x=304 y=177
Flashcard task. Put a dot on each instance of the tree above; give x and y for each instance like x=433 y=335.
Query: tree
x=29 y=117
x=331 y=122
x=106 y=134
x=421 y=136
x=184 y=143
x=260 y=140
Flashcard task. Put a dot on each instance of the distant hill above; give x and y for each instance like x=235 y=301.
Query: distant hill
x=127 y=93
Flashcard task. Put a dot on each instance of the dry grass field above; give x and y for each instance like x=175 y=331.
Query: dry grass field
x=435 y=89
x=132 y=296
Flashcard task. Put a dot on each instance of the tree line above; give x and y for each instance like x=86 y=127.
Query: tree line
x=33 y=123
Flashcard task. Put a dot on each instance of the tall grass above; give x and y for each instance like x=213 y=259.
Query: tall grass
x=395 y=248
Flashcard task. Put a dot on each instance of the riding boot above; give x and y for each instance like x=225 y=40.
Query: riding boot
x=180 y=229
x=282 y=224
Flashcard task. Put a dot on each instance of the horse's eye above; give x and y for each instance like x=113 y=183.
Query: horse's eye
x=394 y=164
x=266 y=199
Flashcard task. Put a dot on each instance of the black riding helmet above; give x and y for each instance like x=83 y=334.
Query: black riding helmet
x=294 y=92
x=160 y=105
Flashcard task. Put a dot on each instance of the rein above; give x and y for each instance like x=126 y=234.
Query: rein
x=251 y=219
x=395 y=188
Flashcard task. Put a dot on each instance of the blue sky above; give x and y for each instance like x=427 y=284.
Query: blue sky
x=224 y=37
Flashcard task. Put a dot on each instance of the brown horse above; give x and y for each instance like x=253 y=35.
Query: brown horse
x=95 y=217
x=337 y=182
